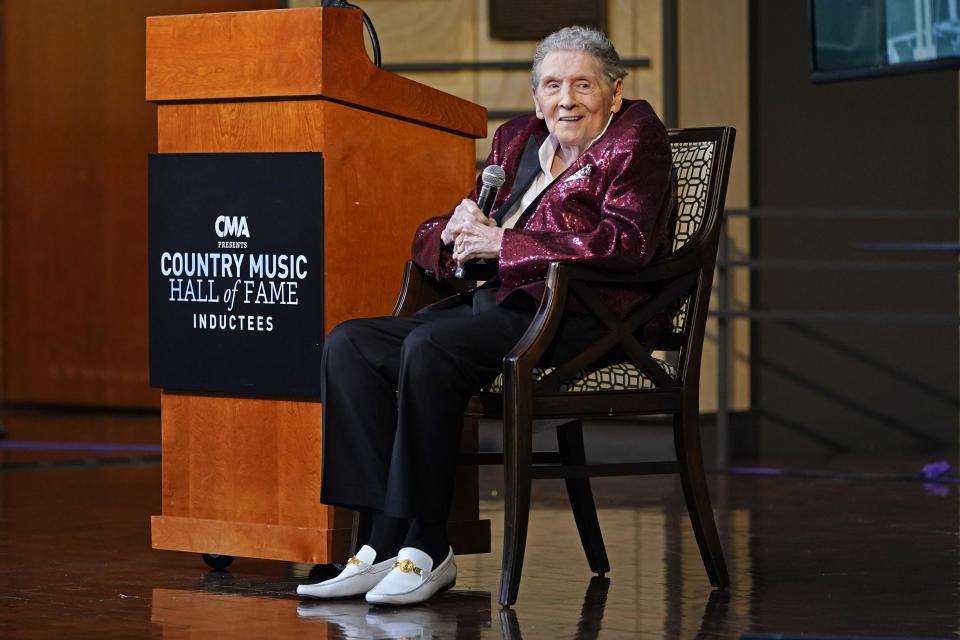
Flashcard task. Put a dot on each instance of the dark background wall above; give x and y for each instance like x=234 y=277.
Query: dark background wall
x=834 y=154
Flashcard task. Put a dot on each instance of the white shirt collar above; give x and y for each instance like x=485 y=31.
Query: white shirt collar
x=549 y=149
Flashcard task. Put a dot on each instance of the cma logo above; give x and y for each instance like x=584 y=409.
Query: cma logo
x=235 y=226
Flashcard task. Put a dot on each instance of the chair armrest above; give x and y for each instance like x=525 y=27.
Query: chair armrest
x=418 y=290
x=679 y=263
x=560 y=275
x=543 y=327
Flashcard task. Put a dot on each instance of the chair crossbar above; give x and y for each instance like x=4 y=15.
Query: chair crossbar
x=589 y=404
x=571 y=367
x=621 y=331
x=648 y=365
x=605 y=403
x=605 y=469
x=594 y=305
x=496 y=457
x=546 y=465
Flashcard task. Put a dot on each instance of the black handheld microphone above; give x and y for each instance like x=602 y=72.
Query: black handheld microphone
x=493 y=178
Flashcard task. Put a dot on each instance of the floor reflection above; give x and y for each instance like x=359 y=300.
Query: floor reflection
x=591 y=614
x=179 y=613
x=458 y=614
x=357 y=620
x=827 y=556
x=591 y=623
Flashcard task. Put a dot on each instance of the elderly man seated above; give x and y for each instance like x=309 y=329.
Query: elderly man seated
x=588 y=180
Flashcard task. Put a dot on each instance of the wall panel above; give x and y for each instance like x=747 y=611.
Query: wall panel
x=425 y=30
x=858 y=162
x=713 y=89
x=76 y=132
x=459 y=31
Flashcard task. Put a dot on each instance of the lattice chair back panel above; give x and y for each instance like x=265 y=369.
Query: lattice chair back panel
x=692 y=162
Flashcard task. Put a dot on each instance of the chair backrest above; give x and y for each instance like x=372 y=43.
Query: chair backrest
x=693 y=162
x=701 y=159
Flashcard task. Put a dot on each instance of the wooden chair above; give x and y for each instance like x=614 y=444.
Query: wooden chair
x=583 y=387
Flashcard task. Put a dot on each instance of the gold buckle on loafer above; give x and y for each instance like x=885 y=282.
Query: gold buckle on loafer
x=406 y=566
x=353 y=560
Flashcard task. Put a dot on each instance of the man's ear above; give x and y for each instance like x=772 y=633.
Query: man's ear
x=617 y=95
x=536 y=105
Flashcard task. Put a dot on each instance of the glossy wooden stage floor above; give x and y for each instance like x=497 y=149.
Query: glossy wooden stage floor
x=829 y=556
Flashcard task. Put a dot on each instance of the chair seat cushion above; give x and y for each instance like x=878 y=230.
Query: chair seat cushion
x=617 y=377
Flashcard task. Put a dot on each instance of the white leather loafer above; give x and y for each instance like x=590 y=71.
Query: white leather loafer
x=359 y=576
x=413 y=579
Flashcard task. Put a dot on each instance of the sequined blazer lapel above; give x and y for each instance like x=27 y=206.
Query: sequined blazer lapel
x=526 y=172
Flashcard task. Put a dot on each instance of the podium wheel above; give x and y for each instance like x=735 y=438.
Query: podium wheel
x=217 y=561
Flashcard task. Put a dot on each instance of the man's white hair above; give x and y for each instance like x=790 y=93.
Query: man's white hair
x=580 y=39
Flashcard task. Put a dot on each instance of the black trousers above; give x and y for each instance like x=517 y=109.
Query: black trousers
x=394 y=391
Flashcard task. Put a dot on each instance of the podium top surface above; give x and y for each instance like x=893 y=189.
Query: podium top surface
x=289 y=54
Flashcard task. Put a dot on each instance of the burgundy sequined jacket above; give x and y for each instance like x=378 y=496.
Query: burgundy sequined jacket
x=608 y=209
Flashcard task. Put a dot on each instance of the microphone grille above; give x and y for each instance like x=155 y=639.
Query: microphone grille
x=493 y=176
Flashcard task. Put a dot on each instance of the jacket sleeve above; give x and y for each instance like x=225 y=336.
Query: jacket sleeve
x=428 y=249
x=619 y=227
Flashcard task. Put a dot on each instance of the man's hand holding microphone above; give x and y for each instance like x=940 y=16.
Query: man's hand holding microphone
x=471 y=230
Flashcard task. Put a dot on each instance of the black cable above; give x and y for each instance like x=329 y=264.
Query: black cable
x=374 y=40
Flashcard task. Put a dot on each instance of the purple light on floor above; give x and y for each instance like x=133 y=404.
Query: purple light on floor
x=935 y=469
x=941 y=490
x=757 y=471
x=87 y=447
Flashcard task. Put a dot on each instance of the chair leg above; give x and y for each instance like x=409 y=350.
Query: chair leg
x=509 y=626
x=517 y=446
x=570 y=446
x=686 y=433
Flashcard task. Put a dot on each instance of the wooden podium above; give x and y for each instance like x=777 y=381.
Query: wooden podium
x=241 y=475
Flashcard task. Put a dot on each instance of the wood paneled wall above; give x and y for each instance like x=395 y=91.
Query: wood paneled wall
x=76 y=132
x=713 y=72
x=459 y=30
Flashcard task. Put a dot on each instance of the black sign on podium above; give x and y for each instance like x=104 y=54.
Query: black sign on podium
x=236 y=272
